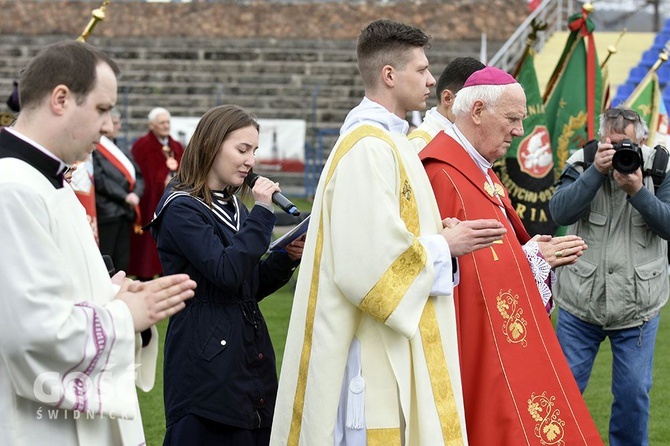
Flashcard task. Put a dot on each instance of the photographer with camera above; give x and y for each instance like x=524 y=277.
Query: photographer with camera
x=617 y=288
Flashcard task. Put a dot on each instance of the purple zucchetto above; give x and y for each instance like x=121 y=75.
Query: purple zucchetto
x=489 y=76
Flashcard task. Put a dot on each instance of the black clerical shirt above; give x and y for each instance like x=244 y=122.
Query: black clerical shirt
x=13 y=147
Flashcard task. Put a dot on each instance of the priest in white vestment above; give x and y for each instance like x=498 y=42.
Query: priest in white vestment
x=371 y=355
x=70 y=352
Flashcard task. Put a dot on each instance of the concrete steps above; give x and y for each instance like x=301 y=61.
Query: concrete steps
x=315 y=80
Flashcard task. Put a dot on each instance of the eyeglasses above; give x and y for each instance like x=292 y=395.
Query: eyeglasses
x=629 y=115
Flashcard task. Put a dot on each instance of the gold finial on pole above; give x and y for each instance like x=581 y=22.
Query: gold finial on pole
x=536 y=26
x=662 y=58
x=98 y=15
x=612 y=49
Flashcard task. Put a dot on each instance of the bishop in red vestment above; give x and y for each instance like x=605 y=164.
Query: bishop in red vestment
x=158 y=157
x=517 y=385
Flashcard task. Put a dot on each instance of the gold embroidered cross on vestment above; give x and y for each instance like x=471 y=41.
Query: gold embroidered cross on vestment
x=407 y=191
x=495 y=190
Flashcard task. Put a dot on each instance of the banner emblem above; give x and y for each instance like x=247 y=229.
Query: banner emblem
x=534 y=153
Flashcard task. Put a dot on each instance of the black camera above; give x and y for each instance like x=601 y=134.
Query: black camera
x=628 y=157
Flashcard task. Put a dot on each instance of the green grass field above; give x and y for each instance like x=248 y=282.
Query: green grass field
x=277 y=308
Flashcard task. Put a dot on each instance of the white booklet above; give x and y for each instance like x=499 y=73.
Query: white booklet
x=296 y=232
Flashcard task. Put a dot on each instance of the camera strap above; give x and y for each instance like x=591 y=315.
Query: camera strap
x=660 y=165
x=590 y=149
x=657 y=170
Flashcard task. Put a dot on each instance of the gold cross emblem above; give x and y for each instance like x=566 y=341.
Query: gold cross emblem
x=493 y=251
x=407 y=191
x=495 y=190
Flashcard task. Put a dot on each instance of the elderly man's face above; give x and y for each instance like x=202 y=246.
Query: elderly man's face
x=161 y=125
x=502 y=123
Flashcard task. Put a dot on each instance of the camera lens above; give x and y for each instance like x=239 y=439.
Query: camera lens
x=627 y=158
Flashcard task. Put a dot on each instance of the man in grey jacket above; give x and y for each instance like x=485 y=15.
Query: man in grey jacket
x=617 y=288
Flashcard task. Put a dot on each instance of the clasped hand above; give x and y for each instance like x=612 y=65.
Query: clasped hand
x=151 y=302
x=467 y=236
x=559 y=251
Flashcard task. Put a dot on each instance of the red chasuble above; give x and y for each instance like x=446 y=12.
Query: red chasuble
x=517 y=385
x=153 y=163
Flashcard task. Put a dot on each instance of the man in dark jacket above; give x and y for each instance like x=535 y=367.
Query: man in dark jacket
x=118 y=188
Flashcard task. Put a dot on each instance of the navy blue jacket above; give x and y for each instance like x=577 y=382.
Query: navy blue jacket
x=219 y=360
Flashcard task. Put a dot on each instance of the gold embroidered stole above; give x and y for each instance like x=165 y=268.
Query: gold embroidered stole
x=418 y=133
x=381 y=301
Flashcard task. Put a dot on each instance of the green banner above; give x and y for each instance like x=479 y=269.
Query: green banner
x=527 y=170
x=576 y=82
x=645 y=100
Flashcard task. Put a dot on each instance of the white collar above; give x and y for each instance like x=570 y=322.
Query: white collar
x=481 y=162
x=370 y=112
x=62 y=166
x=439 y=117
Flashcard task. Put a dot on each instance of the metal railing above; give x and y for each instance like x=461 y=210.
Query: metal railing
x=554 y=13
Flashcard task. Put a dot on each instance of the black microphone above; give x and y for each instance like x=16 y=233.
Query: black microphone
x=109 y=263
x=277 y=198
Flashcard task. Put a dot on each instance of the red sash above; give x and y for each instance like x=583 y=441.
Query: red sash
x=85 y=192
x=109 y=156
